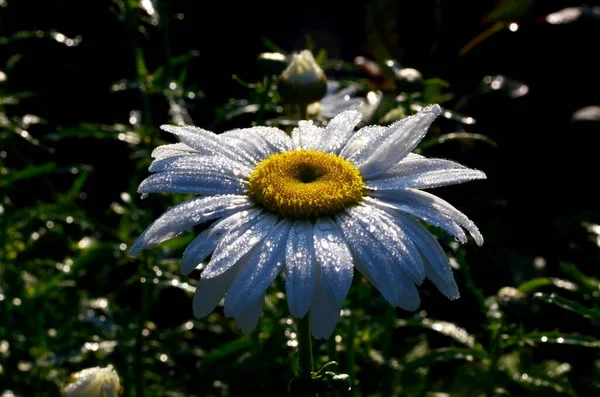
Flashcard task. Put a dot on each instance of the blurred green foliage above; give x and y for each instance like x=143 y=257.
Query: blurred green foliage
x=71 y=297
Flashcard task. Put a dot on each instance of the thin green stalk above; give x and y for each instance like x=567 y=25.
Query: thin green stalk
x=264 y=97
x=145 y=293
x=495 y=333
x=139 y=72
x=350 y=351
x=466 y=271
x=305 y=356
x=388 y=323
x=493 y=325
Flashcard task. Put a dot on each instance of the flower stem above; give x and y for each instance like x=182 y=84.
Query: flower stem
x=387 y=375
x=264 y=98
x=469 y=282
x=305 y=357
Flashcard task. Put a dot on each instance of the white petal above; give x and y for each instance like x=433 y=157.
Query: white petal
x=201 y=164
x=300 y=268
x=186 y=215
x=446 y=287
x=409 y=295
x=206 y=142
x=324 y=313
x=423 y=174
x=198 y=250
x=206 y=242
x=210 y=292
x=386 y=149
x=174 y=149
x=339 y=130
x=264 y=264
x=371 y=258
x=357 y=142
x=432 y=206
x=193 y=182
x=333 y=257
x=307 y=136
x=393 y=238
x=238 y=243
x=248 y=320
x=252 y=141
x=279 y=140
x=430 y=249
x=427 y=214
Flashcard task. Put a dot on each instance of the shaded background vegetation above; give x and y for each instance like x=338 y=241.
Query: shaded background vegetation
x=83 y=87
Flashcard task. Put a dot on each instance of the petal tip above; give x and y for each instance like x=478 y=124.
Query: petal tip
x=168 y=128
x=454 y=296
x=136 y=248
x=435 y=109
x=479 y=175
x=297 y=311
x=209 y=273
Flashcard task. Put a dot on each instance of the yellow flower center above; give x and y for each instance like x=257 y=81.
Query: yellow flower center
x=305 y=184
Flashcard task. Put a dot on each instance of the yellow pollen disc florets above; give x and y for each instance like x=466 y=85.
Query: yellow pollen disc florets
x=305 y=184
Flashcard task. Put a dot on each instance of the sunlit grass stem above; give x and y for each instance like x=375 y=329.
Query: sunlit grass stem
x=350 y=347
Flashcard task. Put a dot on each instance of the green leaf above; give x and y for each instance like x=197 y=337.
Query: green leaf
x=573 y=306
x=77 y=185
x=321 y=56
x=457 y=136
x=229 y=349
x=271 y=46
x=446 y=328
x=537 y=283
x=38 y=34
x=538 y=383
x=510 y=10
x=30 y=172
x=446 y=354
x=432 y=90
x=252 y=108
x=587 y=284
x=142 y=70
x=393 y=115
x=561 y=339
x=98 y=131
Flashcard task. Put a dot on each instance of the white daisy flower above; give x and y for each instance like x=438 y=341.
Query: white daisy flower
x=319 y=204
x=94 y=382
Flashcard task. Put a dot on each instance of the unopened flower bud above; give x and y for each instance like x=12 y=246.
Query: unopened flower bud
x=513 y=303
x=94 y=382
x=509 y=295
x=409 y=79
x=272 y=62
x=303 y=81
